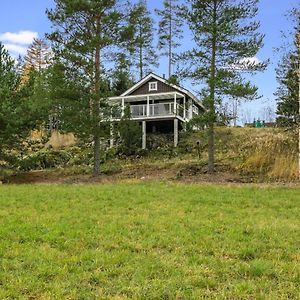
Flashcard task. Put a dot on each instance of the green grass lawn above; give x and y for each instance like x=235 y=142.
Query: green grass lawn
x=149 y=241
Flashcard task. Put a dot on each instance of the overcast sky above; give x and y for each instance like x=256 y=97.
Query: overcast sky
x=22 y=20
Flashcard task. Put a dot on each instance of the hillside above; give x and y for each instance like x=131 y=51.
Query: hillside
x=242 y=155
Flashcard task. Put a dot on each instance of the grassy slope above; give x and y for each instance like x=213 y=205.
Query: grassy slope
x=267 y=152
x=242 y=155
x=149 y=241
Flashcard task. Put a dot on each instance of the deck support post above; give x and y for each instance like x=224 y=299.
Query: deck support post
x=184 y=112
x=144 y=138
x=111 y=140
x=175 y=132
x=190 y=109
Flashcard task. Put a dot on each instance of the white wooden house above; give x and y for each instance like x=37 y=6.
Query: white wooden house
x=159 y=106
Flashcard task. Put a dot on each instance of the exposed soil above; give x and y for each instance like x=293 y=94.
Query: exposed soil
x=180 y=173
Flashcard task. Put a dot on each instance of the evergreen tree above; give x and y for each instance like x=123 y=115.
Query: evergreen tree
x=225 y=38
x=85 y=33
x=18 y=114
x=122 y=79
x=130 y=133
x=170 y=29
x=141 y=48
x=37 y=59
x=38 y=55
x=287 y=93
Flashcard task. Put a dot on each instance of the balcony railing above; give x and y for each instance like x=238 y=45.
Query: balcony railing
x=156 y=110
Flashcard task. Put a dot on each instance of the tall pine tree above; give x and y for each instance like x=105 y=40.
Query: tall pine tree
x=287 y=93
x=122 y=78
x=225 y=37
x=85 y=33
x=141 y=48
x=170 y=30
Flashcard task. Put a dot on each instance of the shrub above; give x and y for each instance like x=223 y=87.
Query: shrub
x=44 y=159
x=130 y=134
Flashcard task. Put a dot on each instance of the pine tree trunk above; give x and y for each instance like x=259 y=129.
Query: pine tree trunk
x=141 y=56
x=211 y=148
x=96 y=105
x=234 y=111
x=170 y=41
x=96 y=171
x=212 y=87
x=170 y=61
x=141 y=63
x=298 y=50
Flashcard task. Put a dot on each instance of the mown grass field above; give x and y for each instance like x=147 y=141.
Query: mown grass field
x=149 y=241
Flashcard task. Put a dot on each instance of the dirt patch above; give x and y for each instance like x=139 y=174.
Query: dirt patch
x=180 y=172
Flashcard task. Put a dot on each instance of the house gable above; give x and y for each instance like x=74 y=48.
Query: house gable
x=145 y=88
x=142 y=87
x=163 y=86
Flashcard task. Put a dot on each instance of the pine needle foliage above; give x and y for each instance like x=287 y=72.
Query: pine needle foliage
x=287 y=93
x=19 y=113
x=85 y=36
x=226 y=38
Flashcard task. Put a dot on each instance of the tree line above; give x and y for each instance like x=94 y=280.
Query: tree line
x=95 y=47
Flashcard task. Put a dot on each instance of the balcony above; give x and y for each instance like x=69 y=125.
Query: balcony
x=155 y=110
x=139 y=111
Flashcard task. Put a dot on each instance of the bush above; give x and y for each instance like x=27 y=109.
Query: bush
x=80 y=156
x=130 y=134
x=45 y=159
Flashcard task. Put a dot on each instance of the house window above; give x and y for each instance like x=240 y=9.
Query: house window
x=152 y=86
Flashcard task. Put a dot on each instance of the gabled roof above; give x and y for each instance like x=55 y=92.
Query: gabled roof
x=152 y=75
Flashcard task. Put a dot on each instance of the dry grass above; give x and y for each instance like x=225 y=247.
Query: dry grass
x=265 y=152
x=285 y=167
x=37 y=134
x=271 y=152
x=58 y=140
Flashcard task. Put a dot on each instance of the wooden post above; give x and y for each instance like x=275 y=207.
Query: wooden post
x=184 y=113
x=175 y=132
x=190 y=109
x=123 y=107
x=144 y=138
x=148 y=106
x=111 y=141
